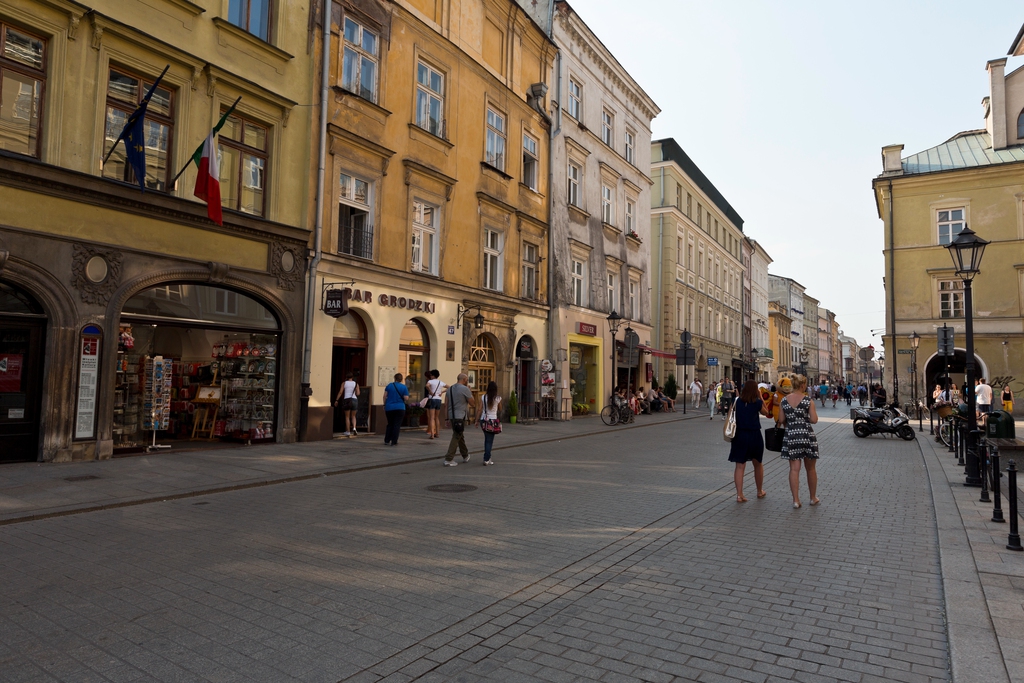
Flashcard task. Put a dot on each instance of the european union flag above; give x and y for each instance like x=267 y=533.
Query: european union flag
x=134 y=135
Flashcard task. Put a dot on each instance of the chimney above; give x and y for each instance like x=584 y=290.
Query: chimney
x=995 y=123
x=892 y=164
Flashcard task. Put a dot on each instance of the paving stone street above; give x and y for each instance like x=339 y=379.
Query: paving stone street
x=619 y=554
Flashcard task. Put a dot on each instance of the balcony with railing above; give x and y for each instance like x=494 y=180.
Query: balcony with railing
x=356 y=239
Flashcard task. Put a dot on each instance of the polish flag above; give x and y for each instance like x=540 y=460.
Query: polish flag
x=208 y=178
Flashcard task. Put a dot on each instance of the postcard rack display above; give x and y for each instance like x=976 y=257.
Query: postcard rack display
x=248 y=371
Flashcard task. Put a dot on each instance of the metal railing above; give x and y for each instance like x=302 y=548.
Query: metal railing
x=356 y=241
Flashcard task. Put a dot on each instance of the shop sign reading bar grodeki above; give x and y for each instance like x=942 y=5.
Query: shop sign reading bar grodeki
x=366 y=296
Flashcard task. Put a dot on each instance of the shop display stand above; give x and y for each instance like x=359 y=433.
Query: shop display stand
x=157 y=391
x=204 y=425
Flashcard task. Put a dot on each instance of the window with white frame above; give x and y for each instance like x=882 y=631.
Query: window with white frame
x=355 y=227
x=631 y=147
x=572 y=189
x=531 y=162
x=359 y=61
x=492 y=259
x=575 y=99
x=430 y=99
x=679 y=312
x=607 y=127
x=634 y=308
x=951 y=299
x=169 y=292
x=951 y=223
x=579 y=277
x=495 y=152
x=424 y=237
x=689 y=255
x=689 y=315
x=613 y=292
x=607 y=207
x=530 y=262
x=630 y=216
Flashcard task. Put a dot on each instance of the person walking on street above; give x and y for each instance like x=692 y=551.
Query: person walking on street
x=1007 y=398
x=490 y=404
x=823 y=393
x=435 y=390
x=696 y=391
x=800 y=444
x=395 y=396
x=984 y=397
x=879 y=396
x=748 y=444
x=459 y=399
x=348 y=395
x=712 y=391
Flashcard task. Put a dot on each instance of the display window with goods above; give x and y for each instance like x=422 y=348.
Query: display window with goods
x=195 y=364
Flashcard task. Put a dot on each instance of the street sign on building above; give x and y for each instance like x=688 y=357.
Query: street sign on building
x=906 y=351
x=945 y=339
x=712 y=360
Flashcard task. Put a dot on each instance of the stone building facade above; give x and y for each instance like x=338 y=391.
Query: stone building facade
x=105 y=291
x=700 y=283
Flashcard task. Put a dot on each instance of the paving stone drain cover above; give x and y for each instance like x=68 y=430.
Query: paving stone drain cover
x=451 y=488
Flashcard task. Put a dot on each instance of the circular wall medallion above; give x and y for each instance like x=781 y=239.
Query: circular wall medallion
x=451 y=488
x=96 y=269
x=287 y=261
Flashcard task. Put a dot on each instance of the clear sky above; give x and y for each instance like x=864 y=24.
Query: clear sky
x=786 y=105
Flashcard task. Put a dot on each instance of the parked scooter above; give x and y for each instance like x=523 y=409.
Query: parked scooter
x=890 y=420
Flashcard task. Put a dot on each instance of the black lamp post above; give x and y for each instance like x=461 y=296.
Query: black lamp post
x=966 y=251
x=629 y=349
x=915 y=341
x=614 y=322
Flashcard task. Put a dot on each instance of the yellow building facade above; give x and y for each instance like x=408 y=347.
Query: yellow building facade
x=99 y=280
x=780 y=336
x=924 y=200
x=436 y=209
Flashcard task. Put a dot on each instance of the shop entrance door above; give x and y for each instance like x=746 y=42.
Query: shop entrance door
x=482 y=366
x=21 y=378
x=350 y=356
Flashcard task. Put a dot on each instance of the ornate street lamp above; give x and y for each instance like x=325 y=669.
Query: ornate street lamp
x=915 y=341
x=966 y=251
x=614 y=323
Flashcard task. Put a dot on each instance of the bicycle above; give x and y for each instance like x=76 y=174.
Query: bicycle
x=617 y=411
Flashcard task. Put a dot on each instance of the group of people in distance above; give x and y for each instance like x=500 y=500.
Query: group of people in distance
x=641 y=401
x=792 y=409
x=442 y=402
x=983 y=397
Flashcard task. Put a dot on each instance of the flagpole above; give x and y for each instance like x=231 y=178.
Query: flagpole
x=216 y=129
x=145 y=101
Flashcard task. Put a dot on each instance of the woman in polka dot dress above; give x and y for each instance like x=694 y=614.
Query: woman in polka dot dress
x=800 y=444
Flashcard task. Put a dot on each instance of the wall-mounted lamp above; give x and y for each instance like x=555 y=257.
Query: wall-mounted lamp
x=478 y=319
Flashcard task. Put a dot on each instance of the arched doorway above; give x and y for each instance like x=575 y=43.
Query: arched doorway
x=936 y=367
x=526 y=379
x=482 y=365
x=195 y=363
x=22 y=344
x=349 y=355
x=413 y=363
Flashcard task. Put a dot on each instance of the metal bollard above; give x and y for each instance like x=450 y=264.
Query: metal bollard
x=983 y=466
x=931 y=422
x=1013 y=543
x=961 y=443
x=997 y=508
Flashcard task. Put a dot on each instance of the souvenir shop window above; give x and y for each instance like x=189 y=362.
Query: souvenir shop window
x=201 y=303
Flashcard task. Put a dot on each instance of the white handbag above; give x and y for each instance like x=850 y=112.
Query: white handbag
x=730 y=423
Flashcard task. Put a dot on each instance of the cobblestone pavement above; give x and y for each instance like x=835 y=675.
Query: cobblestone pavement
x=616 y=557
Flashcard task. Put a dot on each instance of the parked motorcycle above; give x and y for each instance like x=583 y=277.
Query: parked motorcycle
x=891 y=420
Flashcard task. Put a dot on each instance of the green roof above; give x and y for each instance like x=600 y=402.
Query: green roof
x=970 y=149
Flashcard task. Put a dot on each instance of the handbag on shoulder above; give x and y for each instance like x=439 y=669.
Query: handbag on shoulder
x=729 y=431
x=491 y=426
